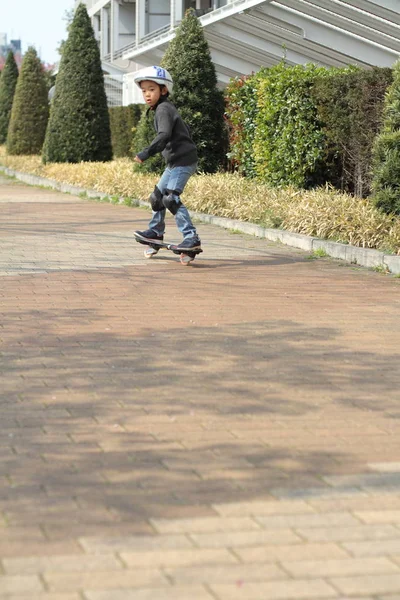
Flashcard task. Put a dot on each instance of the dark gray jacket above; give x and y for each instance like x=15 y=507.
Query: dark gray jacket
x=173 y=137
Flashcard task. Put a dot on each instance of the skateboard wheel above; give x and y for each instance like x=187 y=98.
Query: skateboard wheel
x=185 y=259
x=150 y=252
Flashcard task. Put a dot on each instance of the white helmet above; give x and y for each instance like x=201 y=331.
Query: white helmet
x=156 y=74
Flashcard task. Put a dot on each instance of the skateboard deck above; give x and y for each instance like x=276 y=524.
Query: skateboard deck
x=153 y=246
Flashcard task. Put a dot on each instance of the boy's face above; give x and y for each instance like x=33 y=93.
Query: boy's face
x=152 y=92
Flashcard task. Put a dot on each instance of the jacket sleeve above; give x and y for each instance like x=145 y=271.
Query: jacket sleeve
x=164 y=123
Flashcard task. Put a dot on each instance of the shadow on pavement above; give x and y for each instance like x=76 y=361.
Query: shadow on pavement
x=101 y=431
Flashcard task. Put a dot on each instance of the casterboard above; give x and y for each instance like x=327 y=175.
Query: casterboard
x=153 y=246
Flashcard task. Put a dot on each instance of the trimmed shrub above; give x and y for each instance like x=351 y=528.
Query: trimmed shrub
x=386 y=165
x=350 y=106
x=289 y=143
x=30 y=109
x=79 y=125
x=241 y=114
x=8 y=83
x=196 y=95
x=307 y=126
x=123 y=122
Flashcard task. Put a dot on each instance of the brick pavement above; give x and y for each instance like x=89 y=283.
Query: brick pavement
x=216 y=432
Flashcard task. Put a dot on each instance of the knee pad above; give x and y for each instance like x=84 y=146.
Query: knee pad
x=156 y=200
x=170 y=202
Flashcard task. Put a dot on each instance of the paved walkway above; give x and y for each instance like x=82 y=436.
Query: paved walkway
x=225 y=431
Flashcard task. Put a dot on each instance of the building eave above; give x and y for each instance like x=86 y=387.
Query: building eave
x=248 y=34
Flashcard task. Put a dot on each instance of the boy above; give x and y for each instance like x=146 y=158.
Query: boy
x=179 y=151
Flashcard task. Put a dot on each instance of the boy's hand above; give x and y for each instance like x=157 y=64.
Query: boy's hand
x=137 y=159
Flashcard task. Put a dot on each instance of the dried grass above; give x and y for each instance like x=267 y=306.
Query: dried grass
x=322 y=213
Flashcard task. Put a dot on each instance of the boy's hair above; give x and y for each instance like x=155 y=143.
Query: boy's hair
x=166 y=90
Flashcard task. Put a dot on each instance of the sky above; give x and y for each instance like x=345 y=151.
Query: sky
x=38 y=23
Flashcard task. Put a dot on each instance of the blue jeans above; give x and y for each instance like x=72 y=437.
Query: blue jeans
x=175 y=178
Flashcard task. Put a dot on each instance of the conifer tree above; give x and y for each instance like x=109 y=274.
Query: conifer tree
x=79 y=124
x=386 y=166
x=8 y=83
x=196 y=96
x=30 y=109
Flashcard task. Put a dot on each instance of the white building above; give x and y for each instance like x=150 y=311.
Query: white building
x=244 y=35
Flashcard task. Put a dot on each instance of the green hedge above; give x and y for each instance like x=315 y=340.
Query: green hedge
x=350 y=106
x=275 y=133
x=288 y=140
x=306 y=125
x=123 y=122
x=241 y=111
x=386 y=152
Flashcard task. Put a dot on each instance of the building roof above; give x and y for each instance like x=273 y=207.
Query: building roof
x=248 y=34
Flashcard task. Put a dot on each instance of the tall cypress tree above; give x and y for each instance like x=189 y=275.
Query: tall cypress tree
x=196 y=95
x=8 y=83
x=30 y=109
x=79 y=124
x=386 y=167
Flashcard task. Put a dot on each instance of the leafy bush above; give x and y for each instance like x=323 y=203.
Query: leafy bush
x=79 y=125
x=8 y=83
x=386 y=165
x=350 y=106
x=307 y=125
x=30 y=109
x=288 y=143
x=196 y=95
x=241 y=112
x=123 y=123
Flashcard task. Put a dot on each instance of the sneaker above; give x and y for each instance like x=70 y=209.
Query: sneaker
x=149 y=234
x=192 y=243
